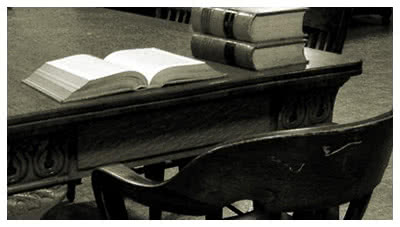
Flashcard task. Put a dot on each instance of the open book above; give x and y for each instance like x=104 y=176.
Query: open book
x=83 y=76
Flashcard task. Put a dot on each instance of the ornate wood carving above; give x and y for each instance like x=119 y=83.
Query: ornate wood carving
x=49 y=158
x=293 y=113
x=17 y=164
x=36 y=157
x=319 y=107
x=300 y=110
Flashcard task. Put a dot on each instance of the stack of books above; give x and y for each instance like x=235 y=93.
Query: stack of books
x=252 y=38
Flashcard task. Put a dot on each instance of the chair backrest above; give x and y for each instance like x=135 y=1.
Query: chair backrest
x=177 y=14
x=292 y=169
x=327 y=28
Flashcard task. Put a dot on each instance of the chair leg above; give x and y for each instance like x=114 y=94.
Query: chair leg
x=305 y=215
x=116 y=209
x=268 y=215
x=109 y=202
x=357 y=208
x=216 y=215
x=71 y=189
x=183 y=162
x=155 y=172
x=386 y=16
x=331 y=213
x=155 y=213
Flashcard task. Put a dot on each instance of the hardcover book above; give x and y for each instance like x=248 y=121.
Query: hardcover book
x=84 y=76
x=248 y=23
x=256 y=56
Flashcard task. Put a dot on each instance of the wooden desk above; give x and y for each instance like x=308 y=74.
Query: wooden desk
x=51 y=143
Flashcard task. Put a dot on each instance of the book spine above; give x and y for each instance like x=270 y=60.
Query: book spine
x=224 y=23
x=221 y=50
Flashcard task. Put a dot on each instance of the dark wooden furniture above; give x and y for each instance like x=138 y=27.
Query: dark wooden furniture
x=283 y=171
x=51 y=143
x=177 y=14
x=384 y=12
x=327 y=27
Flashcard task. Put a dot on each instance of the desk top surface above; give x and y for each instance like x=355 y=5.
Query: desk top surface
x=37 y=35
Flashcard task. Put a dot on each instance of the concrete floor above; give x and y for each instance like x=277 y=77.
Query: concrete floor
x=362 y=97
x=369 y=95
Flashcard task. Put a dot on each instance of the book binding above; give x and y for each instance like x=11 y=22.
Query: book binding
x=237 y=53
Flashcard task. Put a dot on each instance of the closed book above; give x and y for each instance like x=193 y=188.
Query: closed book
x=249 y=23
x=83 y=76
x=256 y=56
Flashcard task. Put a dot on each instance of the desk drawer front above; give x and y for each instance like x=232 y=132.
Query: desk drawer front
x=176 y=129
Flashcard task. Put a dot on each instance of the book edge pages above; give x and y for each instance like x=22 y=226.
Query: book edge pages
x=266 y=13
x=54 y=81
x=94 y=96
x=185 y=74
x=45 y=91
x=298 y=49
x=114 y=84
x=64 y=86
x=264 y=44
x=280 y=42
x=283 y=69
x=285 y=27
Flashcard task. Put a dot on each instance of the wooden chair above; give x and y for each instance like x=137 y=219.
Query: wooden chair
x=327 y=28
x=177 y=14
x=384 y=12
x=309 y=171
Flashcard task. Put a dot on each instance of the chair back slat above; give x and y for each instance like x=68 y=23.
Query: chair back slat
x=332 y=22
x=322 y=40
x=176 y=14
x=292 y=169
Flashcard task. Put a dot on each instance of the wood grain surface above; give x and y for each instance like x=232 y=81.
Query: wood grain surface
x=288 y=170
x=37 y=35
x=152 y=125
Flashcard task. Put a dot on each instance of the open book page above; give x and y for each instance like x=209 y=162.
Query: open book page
x=149 y=61
x=87 y=67
x=82 y=76
x=266 y=10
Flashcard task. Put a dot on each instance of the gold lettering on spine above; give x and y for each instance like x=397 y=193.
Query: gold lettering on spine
x=205 y=20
